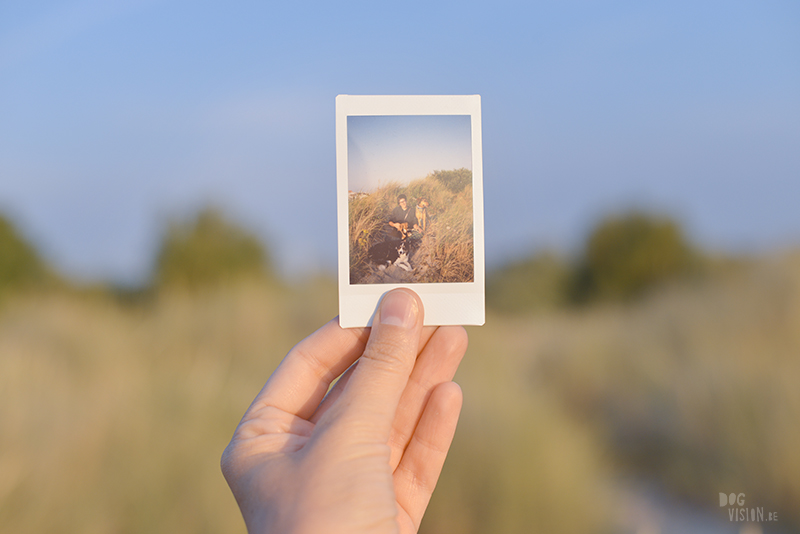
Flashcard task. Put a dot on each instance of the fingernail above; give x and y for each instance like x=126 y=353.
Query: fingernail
x=398 y=308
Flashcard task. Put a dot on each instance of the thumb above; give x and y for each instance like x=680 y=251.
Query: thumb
x=370 y=398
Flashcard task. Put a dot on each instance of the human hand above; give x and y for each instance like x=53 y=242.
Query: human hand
x=366 y=456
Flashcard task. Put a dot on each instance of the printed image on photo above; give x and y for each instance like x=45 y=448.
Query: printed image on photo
x=410 y=202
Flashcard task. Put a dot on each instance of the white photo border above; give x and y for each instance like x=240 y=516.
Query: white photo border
x=454 y=303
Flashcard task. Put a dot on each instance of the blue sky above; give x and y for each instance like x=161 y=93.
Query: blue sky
x=116 y=115
x=402 y=148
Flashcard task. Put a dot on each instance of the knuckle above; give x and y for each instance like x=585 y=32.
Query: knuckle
x=391 y=353
x=228 y=462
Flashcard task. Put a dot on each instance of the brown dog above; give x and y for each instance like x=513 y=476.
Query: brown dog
x=403 y=229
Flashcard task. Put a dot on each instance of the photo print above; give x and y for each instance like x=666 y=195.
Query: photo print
x=410 y=204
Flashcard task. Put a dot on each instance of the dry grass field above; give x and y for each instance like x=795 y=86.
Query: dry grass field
x=114 y=415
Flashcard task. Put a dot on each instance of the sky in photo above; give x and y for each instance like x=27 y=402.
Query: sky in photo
x=116 y=115
x=402 y=148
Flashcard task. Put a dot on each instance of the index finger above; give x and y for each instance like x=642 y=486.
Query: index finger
x=304 y=375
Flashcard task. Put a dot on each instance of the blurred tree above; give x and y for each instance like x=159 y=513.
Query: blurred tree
x=20 y=265
x=629 y=254
x=539 y=282
x=208 y=250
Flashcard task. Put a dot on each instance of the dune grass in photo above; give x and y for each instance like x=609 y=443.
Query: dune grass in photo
x=444 y=253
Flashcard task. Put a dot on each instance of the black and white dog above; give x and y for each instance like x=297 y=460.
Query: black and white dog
x=394 y=252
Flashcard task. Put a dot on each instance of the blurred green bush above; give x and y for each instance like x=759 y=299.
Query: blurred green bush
x=627 y=255
x=209 y=250
x=624 y=257
x=537 y=283
x=21 y=267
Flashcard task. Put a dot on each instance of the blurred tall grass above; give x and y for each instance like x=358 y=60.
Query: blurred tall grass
x=114 y=411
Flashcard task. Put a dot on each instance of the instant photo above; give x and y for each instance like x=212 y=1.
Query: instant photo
x=410 y=205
